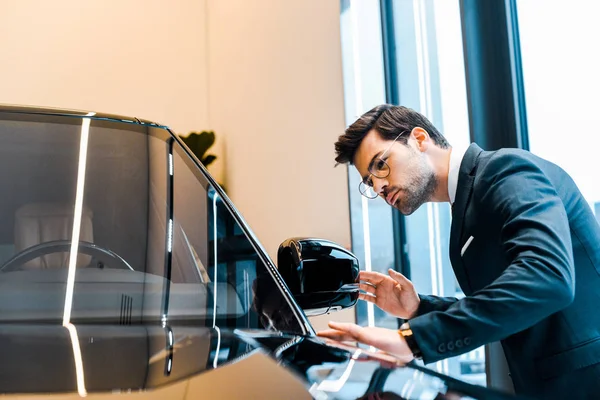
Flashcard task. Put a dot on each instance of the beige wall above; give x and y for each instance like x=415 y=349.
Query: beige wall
x=144 y=58
x=266 y=75
x=276 y=95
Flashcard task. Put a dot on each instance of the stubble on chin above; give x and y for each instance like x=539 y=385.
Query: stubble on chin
x=426 y=192
x=403 y=210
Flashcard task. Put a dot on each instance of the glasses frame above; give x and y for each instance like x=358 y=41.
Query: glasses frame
x=363 y=186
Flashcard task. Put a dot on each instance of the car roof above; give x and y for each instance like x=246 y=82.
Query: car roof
x=21 y=109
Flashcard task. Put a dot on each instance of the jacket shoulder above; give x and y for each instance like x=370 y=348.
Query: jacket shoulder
x=504 y=158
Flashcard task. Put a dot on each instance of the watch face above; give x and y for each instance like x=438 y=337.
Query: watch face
x=405 y=327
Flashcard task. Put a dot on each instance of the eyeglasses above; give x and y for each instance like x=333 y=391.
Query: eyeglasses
x=378 y=168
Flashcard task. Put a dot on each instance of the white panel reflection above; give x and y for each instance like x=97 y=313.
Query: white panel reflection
x=78 y=359
x=414 y=384
x=216 y=360
x=215 y=263
x=361 y=106
x=170 y=236
x=337 y=384
x=83 y=146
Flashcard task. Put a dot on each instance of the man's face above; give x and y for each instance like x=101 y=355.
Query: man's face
x=411 y=180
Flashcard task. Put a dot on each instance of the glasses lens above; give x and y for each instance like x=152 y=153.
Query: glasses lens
x=367 y=191
x=379 y=168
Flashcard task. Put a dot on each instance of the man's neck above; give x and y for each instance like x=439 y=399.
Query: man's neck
x=441 y=169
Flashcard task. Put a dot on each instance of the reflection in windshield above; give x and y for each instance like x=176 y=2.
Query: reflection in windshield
x=106 y=222
x=83 y=149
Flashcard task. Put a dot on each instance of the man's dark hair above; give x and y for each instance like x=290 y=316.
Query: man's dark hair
x=389 y=121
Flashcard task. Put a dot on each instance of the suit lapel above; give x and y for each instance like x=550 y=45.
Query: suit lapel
x=459 y=208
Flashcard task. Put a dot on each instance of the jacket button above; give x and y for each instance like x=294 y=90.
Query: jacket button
x=467 y=341
x=442 y=348
x=459 y=343
x=450 y=346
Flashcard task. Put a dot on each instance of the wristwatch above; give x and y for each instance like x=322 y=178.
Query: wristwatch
x=407 y=334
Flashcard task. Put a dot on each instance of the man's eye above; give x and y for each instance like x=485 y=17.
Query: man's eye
x=370 y=182
x=379 y=164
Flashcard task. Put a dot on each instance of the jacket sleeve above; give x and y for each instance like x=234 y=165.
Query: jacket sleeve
x=431 y=303
x=539 y=279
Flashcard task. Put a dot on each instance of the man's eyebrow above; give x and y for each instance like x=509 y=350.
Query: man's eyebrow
x=364 y=178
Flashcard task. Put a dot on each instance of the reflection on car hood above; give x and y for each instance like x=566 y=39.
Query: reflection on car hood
x=182 y=362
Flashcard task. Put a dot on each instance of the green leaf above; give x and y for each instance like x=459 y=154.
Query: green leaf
x=199 y=143
x=208 y=159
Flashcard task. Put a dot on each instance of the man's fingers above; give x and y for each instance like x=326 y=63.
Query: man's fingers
x=367 y=297
x=371 y=276
x=335 y=335
x=398 y=277
x=341 y=331
x=367 y=288
x=351 y=329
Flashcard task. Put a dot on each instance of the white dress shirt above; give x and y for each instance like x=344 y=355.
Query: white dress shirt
x=456 y=157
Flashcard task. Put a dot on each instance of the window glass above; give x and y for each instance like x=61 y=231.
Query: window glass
x=364 y=84
x=561 y=82
x=211 y=248
x=430 y=78
x=122 y=210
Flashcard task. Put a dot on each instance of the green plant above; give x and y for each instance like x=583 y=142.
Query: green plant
x=199 y=143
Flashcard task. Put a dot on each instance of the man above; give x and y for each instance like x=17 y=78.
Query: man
x=525 y=248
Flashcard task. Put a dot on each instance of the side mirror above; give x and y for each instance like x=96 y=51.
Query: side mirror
x=322 y=275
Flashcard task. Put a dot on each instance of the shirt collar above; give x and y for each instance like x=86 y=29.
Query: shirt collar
x=456 y=157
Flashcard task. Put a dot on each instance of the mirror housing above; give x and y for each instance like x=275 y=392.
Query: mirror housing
x=321 y=275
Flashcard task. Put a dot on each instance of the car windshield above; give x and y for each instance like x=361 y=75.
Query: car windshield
x=108 y=222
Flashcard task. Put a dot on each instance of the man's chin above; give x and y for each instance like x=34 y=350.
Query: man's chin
x=404 y=209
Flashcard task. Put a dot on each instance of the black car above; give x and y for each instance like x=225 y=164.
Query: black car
x=126 y=270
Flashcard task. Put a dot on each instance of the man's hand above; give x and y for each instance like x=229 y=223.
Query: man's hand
x=394 y=294
x=386 y=340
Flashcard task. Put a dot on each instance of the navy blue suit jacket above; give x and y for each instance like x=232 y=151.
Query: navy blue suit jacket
x=530 y=273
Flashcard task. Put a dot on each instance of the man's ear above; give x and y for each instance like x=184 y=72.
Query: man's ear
x=421 y=137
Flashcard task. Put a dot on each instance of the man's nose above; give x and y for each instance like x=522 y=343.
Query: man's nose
x=379 y=185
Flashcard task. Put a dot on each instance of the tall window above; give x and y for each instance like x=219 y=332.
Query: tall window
x=560 y=71
x=364 y=84
x=425 y=68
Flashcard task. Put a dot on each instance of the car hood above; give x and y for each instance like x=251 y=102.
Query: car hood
x=183 y=362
